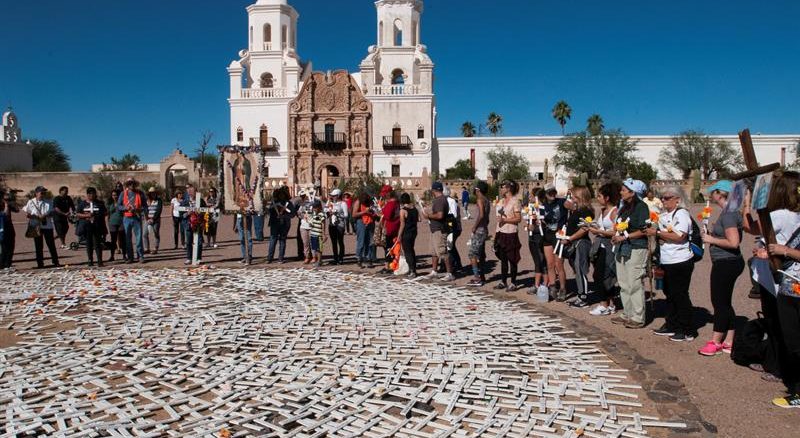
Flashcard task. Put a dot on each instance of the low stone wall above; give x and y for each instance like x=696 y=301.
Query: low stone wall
x=75 y=181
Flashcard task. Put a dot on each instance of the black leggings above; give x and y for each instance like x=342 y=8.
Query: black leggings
x=536 y=247
x=505 y=267
x=408 y=250
x=176 y=232
x=337 y=243
x=723 y=278
x=789 y=315
x=677 y=278
x=605 y=271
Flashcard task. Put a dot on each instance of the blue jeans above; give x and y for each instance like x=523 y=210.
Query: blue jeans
x=277 y=234
x=258 y=224
x=133 y=230
x=245 y=235
x=363 y=240
x=187 y=230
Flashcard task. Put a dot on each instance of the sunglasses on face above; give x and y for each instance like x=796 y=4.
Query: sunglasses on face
x=667 y=198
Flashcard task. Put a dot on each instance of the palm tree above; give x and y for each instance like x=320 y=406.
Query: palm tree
x=494 y=123
x=595 y=125
x=468 y=129
x=562 y=112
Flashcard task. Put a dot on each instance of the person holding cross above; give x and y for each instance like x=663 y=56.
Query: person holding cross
x=132 y=202
x=192 y=223
x=91 y=214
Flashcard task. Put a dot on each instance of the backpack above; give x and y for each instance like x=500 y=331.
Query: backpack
x=695 y=238
x=750 y=344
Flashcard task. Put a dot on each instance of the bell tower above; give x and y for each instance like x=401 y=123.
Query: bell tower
x=397 y=77
x=264 y=79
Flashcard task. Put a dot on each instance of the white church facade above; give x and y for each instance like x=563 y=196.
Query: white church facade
x=316 y=126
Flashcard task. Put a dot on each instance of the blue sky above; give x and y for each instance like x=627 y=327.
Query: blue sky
x=105 y=78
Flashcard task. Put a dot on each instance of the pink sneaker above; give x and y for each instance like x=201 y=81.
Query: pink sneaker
x=711 y=349
x=726 y=347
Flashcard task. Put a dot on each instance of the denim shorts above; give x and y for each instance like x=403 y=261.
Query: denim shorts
x=315 y=241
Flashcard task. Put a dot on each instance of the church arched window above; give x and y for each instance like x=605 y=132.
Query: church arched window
x=414 y=36
x=267 y=80
x=398 y=33
x=380 y=33
x=284 y=36
x=239 y=134
x=267 y=33
x=397 y=77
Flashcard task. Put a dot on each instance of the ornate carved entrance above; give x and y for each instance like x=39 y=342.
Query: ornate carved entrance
x=330 y=123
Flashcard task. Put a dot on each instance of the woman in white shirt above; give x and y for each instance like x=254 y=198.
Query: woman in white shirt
x=39 y=212
x=176 y=219
x=674 y=226
x=784 y=208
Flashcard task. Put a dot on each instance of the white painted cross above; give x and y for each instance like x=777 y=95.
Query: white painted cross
x=196 y=234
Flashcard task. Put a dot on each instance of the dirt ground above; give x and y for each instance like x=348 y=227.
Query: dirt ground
x=733 y=400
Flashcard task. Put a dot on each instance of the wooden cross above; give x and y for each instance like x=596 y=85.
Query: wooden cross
x=753 y=169
x=196 y=235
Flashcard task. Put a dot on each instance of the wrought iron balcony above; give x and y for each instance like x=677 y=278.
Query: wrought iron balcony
x=271 y=145
x=330 y=141
x=392 y=143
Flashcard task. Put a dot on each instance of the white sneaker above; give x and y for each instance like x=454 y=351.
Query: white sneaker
x=601 y=310
x=448 y=277
x=432 y=276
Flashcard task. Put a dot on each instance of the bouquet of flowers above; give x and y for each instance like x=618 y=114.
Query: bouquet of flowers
x=653 y=220
x=588 y=222
x=704 y=216
x=197 y=220
x=621 y=227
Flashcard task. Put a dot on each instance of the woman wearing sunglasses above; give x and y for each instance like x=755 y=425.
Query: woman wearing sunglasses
x=676 y=259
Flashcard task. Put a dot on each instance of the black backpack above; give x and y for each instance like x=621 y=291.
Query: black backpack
x=750 y=344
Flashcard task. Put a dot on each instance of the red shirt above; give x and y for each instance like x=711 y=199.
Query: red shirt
x=391 y=217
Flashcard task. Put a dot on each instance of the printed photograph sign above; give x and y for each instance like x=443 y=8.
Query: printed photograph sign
x=241 y=177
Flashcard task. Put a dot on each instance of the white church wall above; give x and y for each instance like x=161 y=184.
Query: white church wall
x=251 y=114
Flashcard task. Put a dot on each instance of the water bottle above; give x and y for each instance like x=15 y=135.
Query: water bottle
x=542 y=294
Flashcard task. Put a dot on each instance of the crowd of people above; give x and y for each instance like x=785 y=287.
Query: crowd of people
x=613 y=250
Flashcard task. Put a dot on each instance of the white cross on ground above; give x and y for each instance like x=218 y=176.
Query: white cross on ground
x=196 y=234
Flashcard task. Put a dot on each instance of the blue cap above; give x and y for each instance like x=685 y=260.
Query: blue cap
x=636 y=186
x=438 y=186
x=722 y=185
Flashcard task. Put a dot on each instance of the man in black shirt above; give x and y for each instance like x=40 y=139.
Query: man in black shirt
x=63 y=207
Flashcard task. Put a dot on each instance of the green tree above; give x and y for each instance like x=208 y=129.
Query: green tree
x=467 y=129
x=126 y=162
x=796 y=163
x=561 y=113
x=508 y=164
x=694 y=150
x=146 y=185
x=209 y=162
x=594 y=125
x=494 y=123
x=607 y=155
x=461 y=170
x=48 y=156
x=642 y=171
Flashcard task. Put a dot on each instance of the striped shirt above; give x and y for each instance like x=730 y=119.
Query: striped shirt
x=316 y=221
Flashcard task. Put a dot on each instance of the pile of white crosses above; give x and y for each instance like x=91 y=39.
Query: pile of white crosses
x=305 y=353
